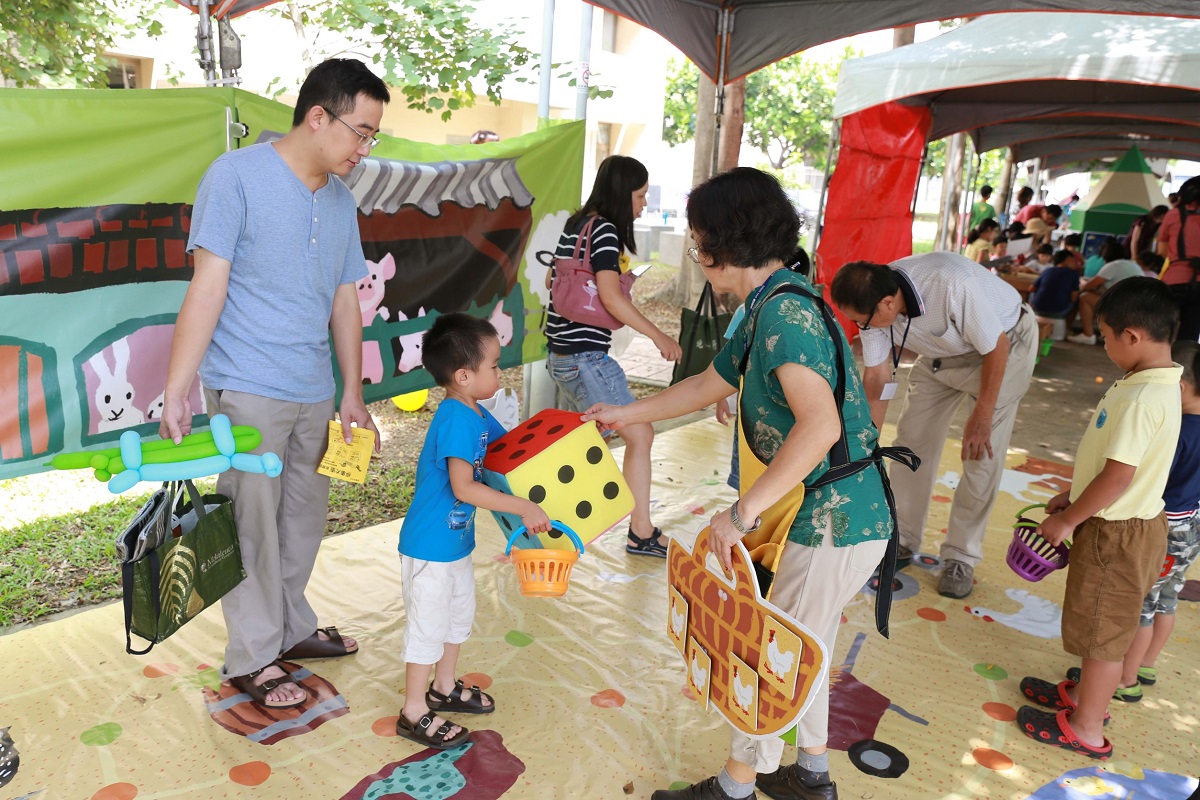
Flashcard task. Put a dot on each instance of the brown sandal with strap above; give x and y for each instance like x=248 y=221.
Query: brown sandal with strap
x=258 y=692
x=453 y=701
x=419 y=732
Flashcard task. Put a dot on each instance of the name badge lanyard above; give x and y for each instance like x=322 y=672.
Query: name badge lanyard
x=889 y=388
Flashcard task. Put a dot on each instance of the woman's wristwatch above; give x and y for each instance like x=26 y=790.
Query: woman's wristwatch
x=737 y=521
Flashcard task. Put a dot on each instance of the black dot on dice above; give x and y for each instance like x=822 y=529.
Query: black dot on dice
x=555 y=533
x=526 y=438
x=566 y=474
x=537 y=494
x=594 y=454
x=507 y=525
x=533 y=423
x=516 y=454
x=611 y=490
x=554 y=430
x=583 y=510
x=498 y=446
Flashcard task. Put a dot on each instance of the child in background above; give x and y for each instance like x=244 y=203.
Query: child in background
x=979 y=241
x=1151 y=263
x=462 y=353
x=1054 y=292
x=1182 y=499
x=1042 y=260
x=1114 y=512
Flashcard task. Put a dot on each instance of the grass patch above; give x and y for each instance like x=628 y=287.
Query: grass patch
x=57 y=563
x=384 y=497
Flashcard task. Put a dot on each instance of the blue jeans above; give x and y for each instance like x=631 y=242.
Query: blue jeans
x=589 y=378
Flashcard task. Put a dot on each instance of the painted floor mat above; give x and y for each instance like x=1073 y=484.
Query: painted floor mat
x=590 y=691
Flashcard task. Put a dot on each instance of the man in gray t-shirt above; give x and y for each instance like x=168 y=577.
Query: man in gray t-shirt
x=276 y=247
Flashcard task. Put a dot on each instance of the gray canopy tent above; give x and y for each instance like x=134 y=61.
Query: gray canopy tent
x=1099 y=83
x=727 y=39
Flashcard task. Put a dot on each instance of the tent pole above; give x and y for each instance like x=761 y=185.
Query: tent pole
x=585 y=57
x=834 y=134
x=969 y=194
x=204 y=42
x=724 y=29
x=546 y=72
x=540 y=390
x=920 y=174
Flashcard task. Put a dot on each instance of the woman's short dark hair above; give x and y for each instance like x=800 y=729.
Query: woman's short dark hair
x=1111 y=249
x=612 y=196
x=860 y=285
x=1073 y=240
x=455 y=341
x=743 y=218
x=335 y=85
x=1140 y=303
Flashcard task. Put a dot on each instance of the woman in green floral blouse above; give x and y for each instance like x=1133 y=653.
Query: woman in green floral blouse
x=746 y=232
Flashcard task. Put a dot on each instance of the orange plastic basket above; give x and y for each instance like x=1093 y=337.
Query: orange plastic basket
x=542 y=572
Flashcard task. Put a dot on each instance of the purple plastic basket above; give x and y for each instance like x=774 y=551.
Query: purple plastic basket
x=1031 y=556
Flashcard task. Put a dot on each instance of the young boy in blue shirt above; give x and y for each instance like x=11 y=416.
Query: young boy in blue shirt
x=462 y=353
x=1114 y=513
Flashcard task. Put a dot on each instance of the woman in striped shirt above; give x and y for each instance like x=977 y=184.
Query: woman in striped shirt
x=578 y=357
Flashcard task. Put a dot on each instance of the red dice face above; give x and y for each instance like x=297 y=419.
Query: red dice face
x=530 y=438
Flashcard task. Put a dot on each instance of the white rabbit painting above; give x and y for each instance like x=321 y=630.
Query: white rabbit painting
x=114 y=396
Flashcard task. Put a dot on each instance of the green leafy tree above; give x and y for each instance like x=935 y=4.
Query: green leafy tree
x=61 y=43
x=789 y=108
x=430 y=49
x=679 y=110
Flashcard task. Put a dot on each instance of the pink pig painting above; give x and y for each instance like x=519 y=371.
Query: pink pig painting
x=370 y=297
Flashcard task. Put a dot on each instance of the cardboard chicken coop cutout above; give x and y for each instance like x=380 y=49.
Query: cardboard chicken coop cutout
x=745 y=658
x=562 y=464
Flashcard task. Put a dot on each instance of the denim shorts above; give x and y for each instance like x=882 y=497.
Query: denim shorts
x=589 y=378
x=1183 y=545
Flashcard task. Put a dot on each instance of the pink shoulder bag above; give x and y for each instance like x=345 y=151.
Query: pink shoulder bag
x=574 y=291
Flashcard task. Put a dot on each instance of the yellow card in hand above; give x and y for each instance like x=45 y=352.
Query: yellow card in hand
x=347 y=462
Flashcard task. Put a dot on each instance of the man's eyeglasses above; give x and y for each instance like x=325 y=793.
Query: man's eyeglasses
x=866 y=326
x=370 y=141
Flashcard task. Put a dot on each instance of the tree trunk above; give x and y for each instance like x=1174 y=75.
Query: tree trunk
x=948 y=223
x=302 y=35
x=690 y=281
x=732 y=123
x=1002 y=200
x=903 y=36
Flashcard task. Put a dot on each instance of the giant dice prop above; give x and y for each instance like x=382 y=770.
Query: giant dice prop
x=562 y=464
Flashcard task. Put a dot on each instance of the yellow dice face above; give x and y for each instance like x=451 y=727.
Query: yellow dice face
x=576 y=481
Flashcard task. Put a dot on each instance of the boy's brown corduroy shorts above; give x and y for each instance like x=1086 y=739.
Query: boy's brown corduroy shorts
x=1113 y=564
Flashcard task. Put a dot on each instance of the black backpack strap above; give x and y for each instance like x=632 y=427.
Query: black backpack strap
x=840 y=465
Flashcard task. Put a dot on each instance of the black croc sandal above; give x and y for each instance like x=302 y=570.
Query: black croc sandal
x=1053 y=695
x=439 y=739
x=1053 y=728
x=453 y=701
x=650 y=546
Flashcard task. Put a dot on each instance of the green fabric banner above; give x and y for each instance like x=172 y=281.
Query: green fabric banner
x=95 y=207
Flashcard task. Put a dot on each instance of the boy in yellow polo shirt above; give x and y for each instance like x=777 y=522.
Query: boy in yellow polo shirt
x=1114 y=512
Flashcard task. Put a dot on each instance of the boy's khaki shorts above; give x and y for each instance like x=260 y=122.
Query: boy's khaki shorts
x=1113 y=564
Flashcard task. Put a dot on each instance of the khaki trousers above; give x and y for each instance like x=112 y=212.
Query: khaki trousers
x=813 y=585
x=280 y=525
x=933 y=397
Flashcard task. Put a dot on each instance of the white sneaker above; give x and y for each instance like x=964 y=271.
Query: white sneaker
x=1082 y=338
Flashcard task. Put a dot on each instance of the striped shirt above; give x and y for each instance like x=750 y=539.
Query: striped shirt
x=563 y=336
x=959 y=309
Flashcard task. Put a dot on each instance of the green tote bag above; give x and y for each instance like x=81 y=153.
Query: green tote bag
x=191 y=569
x=701 y=335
